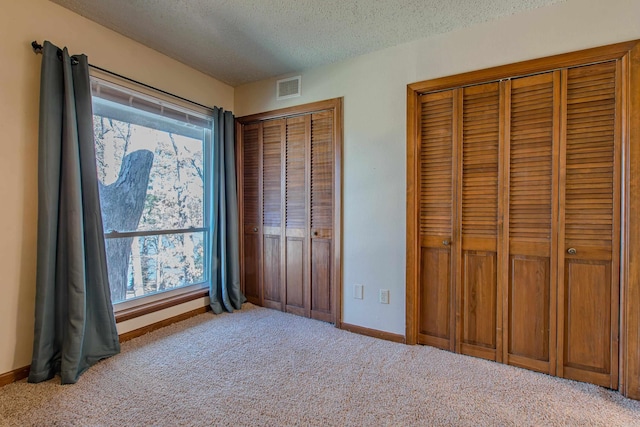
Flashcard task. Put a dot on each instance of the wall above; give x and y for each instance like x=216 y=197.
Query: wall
x=374 y=91
x=20 y=23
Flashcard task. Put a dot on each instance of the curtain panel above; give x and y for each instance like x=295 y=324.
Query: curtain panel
x=74 y=322
x=224 y=291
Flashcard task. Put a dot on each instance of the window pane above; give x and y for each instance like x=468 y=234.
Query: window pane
x=151 y=169
x=142 y=266
x=174 y=194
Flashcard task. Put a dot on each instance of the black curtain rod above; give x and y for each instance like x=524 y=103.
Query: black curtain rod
x=37 y=48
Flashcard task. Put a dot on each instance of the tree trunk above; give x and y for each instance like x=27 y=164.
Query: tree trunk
x=122 y=205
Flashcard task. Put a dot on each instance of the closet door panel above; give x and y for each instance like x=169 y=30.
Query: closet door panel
x=251 y=212
x=479 y=304
x=529 y=313
x=590 y=226
x=272 y=245
x=435 y=327
x=437 y=154
x=296 y=215
x=478 y=207
x=295 y=275
x=251 y=265
x=271 y=260
x=321 y=185
x=321 y=280
x=588 y=324
x=532 y=212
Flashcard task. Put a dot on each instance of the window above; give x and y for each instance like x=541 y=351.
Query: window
x=152 y=166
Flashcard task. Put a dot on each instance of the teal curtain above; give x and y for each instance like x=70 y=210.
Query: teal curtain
x=224 y=290
x=74 y=322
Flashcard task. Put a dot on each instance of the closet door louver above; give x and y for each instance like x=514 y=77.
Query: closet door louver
x=321 y=221
x=272 y=135
x=477 y=294
x=296 y=215
x=532 y=206
x=589 y=258
x=436 y=156
x=251 y=211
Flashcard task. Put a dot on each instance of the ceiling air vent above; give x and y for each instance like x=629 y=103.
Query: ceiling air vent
x=288 y=88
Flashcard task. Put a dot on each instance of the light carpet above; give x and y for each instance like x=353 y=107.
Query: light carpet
x=262 y=367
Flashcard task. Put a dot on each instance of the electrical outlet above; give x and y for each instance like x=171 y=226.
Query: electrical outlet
x=384 y=296
x=358 y=291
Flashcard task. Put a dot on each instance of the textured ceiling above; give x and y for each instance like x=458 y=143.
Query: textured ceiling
x=240 y=41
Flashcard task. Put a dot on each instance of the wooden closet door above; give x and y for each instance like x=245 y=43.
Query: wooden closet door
x=478 y=210
x=437 y=154
x=321 y=214
x=590 y=227
x=531 y=165
x=273 y=136
x=296 y=231
x=251 y=223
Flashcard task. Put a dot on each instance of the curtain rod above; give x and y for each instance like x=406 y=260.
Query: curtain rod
x=37 y=49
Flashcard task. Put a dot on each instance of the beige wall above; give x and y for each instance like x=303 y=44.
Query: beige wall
x=374 y=91
x=22 y=21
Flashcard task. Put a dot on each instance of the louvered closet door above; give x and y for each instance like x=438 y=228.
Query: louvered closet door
x=251 y=212
x=273 y=133
x=590 y=245
x=531 y=154
x=321 y=202
x=436 y=189
x=478 y=207
x=297 y=266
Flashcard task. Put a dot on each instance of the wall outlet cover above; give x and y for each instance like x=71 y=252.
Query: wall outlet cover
x=384 y=296
x=358 y=291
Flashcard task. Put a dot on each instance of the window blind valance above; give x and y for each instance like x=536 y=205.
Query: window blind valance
x=125 y=104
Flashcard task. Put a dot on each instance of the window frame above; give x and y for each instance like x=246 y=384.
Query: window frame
x=146 y=304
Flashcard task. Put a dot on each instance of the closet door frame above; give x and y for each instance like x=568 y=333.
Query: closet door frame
x=334 y=105
x=629 y=55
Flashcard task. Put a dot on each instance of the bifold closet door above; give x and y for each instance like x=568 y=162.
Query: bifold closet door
x=273 y=135
x=289 y=178
x=590 y=225
x=251 y=202
x=518 y=198
x=437 y=154
x=460 y=137
x=478 y=204
x=321 y=183
x=309 y=215
x=531 y=152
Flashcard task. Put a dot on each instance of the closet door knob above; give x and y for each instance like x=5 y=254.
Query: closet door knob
x=571 y=251
x=446 y=242
x=315 y=233
x=255 y=229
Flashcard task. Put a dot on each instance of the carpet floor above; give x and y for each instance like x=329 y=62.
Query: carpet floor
x=261 y=367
